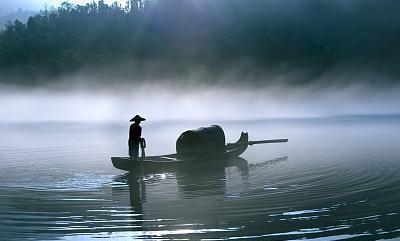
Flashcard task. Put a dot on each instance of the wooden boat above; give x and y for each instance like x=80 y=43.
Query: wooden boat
x=193 y=147
x=170 y=162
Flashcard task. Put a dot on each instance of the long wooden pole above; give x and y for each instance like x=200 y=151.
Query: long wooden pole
x=259 y=142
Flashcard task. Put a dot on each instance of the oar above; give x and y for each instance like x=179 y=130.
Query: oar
x=142 y=147
x=250 y=143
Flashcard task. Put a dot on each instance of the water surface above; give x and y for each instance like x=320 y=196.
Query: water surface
x=337 y=178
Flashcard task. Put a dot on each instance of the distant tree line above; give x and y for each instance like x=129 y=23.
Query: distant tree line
x=213 y=34
x=21 y=15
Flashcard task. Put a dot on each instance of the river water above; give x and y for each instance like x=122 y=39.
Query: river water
x=336 y=178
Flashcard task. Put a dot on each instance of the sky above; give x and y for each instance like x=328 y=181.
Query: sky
x=7 y=6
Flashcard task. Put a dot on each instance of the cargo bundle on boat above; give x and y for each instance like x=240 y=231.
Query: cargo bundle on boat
x=201 y=142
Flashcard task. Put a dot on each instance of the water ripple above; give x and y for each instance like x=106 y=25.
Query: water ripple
x=341 y=187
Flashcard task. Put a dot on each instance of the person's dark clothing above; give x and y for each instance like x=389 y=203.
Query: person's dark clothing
x=134 y=149
x=135 y=132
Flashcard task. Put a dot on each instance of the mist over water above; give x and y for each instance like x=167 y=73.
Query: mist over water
x=169 y=102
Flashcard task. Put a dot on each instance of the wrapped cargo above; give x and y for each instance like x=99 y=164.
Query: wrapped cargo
x=201 y=142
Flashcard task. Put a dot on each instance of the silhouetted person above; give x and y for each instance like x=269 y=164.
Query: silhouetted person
x=135 y=133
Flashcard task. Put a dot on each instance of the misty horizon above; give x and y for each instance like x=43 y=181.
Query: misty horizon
x=167 y=102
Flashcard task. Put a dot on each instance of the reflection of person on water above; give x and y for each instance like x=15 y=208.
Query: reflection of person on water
x=135 y=139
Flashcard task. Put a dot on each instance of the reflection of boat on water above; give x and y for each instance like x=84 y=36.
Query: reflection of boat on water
x=181 y=205
x=191 y=180
x=193 y=146
x=196 y=179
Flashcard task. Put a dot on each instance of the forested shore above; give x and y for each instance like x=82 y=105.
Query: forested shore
x=154 y=38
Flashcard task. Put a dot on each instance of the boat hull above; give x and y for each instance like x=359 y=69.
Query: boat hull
x=167 y=163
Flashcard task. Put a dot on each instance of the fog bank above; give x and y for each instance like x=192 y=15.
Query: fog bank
x=165 y=102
